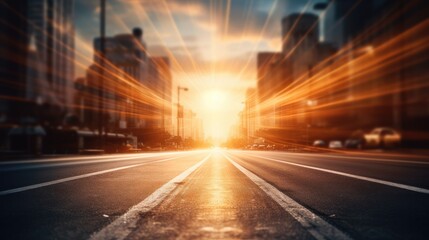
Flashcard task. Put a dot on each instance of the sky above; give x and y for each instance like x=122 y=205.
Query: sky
x=214 y=44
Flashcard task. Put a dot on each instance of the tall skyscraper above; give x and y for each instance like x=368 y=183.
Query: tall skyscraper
x=37 y=47
x=299 y=31
x=37 y=67
x=13 y=60
x=51 y=44
x=125 y=79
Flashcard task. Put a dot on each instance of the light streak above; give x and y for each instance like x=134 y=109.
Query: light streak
x=349 y=79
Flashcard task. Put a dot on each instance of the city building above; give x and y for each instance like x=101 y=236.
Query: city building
x=137 y=90
x=38 y=56
x=14 y=52
x=299 y=30
x=123 y=78
x=161 y=83
x=286 y=80
x=51 y=42
x=388 y=27
x=266 y=87
x=192 y=128
x=250 y=114
x=36 y=79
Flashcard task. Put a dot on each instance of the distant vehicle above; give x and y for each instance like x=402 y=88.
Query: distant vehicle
x=356 y=140
x=261 y=147
x=271 y=147
x=383 y=137
x=254 y=146
x=319 y=143
x=335 y=144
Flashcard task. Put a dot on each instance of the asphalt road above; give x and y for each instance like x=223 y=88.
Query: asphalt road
x=216 y=194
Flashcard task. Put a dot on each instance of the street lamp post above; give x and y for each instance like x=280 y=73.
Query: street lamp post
x=178 y=107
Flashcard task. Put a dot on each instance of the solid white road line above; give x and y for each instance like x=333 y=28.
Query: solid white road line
x=71 y=163
x=374 y=159
x=327 y=156
x=374 y=180
x=365 y=158
x=316 y=226
x=44 y=184
x=125 y=224
x=87 y=157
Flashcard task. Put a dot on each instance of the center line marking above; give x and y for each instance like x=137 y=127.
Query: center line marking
x=62 y=180
x=374 y=180
x=125 y=224
x=315 y=225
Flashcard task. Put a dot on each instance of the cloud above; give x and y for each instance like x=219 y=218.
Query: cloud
x=190 y=39
x=193 y=9
x=176 y=50
x=207 y=25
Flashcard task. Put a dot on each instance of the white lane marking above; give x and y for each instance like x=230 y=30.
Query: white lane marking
x=70 y=163
x=81 y=157
x=62 y=180
x=125 y=224
x=315 y=225
x=374 y=180
x=61 y=159
x=375 y=159
x=327 y=156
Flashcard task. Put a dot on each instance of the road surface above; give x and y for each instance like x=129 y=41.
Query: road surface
x=216 y=194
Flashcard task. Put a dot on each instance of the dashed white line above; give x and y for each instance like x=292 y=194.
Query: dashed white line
x=62 y=180
x=124 y=225
x=374 y=180
x=315 y=225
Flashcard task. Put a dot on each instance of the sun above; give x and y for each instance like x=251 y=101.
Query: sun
x=214 y=99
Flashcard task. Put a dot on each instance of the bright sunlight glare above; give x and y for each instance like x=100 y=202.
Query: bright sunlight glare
x=215 y=99
x=219 y=111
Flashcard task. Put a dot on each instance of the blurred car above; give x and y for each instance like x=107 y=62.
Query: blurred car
x=356 y=140
x=271 y=147
x=382 y=137
x=254 y=147
x=335 y=144
x=261 y=147
x=319 y=143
